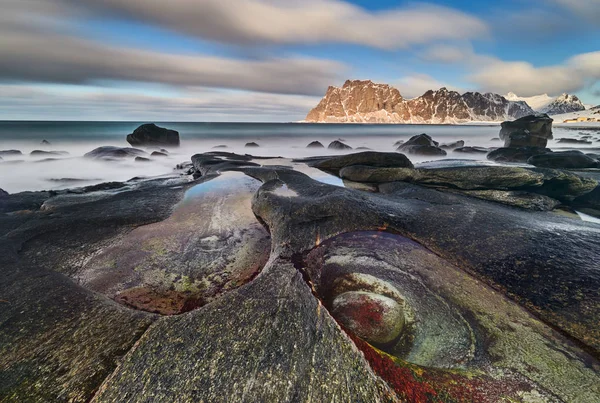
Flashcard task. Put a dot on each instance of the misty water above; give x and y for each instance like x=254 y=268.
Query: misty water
x=50 y=172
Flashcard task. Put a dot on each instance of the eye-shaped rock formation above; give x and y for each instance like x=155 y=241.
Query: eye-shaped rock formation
x=410 y=292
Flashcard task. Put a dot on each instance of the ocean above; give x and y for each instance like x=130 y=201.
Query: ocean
x=34 y=172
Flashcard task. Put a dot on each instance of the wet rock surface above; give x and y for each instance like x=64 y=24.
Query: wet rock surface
x=152 y=135
x=257 y=283
x=368 y=158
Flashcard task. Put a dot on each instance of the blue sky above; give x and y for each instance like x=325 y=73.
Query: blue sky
x=272 y=60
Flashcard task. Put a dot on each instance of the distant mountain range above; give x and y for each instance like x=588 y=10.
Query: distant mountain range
x=359 y=101
x=552 y=106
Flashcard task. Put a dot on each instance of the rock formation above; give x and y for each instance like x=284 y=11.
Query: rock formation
x=366 y=102
x=528 y=131
x=152 y=135
x=564 y=104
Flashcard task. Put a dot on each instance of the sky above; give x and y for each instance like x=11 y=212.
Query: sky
x=272 y=60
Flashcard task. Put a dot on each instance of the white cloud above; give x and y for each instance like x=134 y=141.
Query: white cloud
x=417 y=84
x=33 y=47
x=292 y=21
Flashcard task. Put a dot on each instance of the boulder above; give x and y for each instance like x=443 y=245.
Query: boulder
x=251 y=145
x=158 y=154
x=219 y=146
x=574 y=141
x=142 y=159
x=152 y=135
x=110 y=152
x=398 y=143
x=315 y=144
x=6 y=153
x=422 y=144
x=45 y=143
x=564 y=160
x=471 y=150
x=43 y=153
x=516 y=154
x=422 y=150
x=372 y=317
x=528 y=131
x=589 y=203
x=368 y=158
x=3 y=193
x=338 y=145
x=453 y=145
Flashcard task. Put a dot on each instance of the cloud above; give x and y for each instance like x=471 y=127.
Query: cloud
x=34 y=46
x=291 y=21
x=586 y=9
x=191 y=104
x=415 y=85
x=490 y=73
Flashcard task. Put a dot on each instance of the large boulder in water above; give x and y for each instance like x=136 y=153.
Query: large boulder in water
x=516 y=154
x=453 y=145
x=152 y=135
x=564 y=160
x=422 y=144
x=528 y=131
x=315 y=144
x=110 y=152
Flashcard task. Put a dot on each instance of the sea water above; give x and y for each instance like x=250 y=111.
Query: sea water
x=289 y=140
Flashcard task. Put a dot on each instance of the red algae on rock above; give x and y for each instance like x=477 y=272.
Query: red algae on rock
x=424 y=385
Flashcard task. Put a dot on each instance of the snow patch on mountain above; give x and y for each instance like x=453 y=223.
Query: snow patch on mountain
x=537 y=103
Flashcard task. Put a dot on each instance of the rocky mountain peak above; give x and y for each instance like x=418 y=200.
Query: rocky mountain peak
x=564 y=104
x=362 y=101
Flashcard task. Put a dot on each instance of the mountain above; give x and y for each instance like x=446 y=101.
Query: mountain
x=537 y=103
x=552 y=106
x=367 y=102
x=564 y=104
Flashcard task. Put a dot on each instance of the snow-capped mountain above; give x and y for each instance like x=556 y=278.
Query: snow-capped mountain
x=537 y=103
x=564 y=104
x=552 y=106
x=367 y=102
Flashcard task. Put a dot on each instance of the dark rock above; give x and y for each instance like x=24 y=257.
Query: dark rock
x=219 y=146
x=142 y=159
x=421 y=144
x=564 y=160
x=495 y=139
x=421 y=140
x=251 y=145
x=158 y=154
x=422 y=150
x=516 y=154
x=42 y=153
x=453 y=145
x=398 y=143
x=561 y=185
x=528 y=131
x=369 y=158
x=152 y=135
x=515 y=198
x=315 y=144
x=338 y=145
x=589 y=203
x=45 y=142
x=574 y=141
x=3 y=193
x=10 y=152
x=363 y=148
x=471 y=150
x=109 y=152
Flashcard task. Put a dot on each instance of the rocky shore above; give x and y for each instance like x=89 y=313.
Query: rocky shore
x=244 y=278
